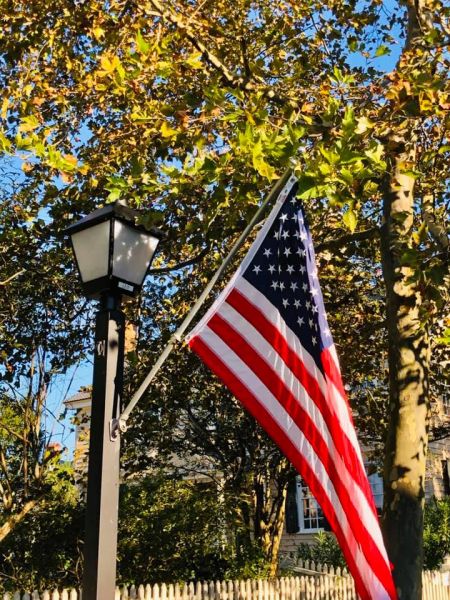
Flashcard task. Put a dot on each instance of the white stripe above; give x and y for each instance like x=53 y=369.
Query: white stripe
x=275 y=362
x=340 y=403
x=334 y=356
x=248 y=258
x=281 y=417
x=340 y=406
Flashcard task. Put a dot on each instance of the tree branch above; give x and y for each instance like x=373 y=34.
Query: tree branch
x=182 y=264
x=337 y=243
x=14 y=520
x=6 y=281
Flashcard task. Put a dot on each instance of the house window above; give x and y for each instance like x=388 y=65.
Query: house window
x=376 y=485
x=310 y=516
x=303 y=513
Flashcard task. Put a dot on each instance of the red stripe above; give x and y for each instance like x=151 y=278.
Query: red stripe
x=252 y=404
x=274 y=337
x=332 y=372
x=277 y=387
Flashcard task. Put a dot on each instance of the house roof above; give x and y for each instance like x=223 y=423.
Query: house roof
x=79 y=400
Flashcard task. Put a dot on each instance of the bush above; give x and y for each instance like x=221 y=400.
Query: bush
x=436 y=534
x=44 y=550
x=324 y=550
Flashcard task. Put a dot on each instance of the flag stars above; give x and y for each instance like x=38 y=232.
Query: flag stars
x=301 y=321
x=276 y=235
x=267 y=252
x=283 y=217
x=305 y=287
x=314 y=308
x=287 y=252
x=274 y=285
x=297 y=303
x=271 y=269
x=314 y=340
x=285 y=234
x=308 y=304
x=310 y=322
x=256 y=269
x=281 y=286
x=314 y=292
x=290 y=269
x=285 y=302
x=293 y=286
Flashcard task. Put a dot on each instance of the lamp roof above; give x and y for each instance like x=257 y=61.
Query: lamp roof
x=117 y=210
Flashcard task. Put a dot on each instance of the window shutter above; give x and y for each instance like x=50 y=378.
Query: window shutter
x=446 y=476
x=326 y=525
x=292 y=525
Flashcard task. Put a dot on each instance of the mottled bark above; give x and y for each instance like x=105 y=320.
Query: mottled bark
x=407 y=440
x=269 y=512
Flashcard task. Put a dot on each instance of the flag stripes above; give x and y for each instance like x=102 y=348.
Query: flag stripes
x=291 y=358
x=295 y=448
x=282 y=365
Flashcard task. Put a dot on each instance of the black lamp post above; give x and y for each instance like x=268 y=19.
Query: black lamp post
x=113 y=254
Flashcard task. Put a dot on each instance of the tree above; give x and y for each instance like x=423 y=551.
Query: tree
x=44 y=549
x=190 y=425
x=191 y=109
x=40 y=338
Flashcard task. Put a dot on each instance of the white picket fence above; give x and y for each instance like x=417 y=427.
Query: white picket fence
x=317 y=583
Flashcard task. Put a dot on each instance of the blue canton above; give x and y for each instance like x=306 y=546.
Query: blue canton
x=284 y=270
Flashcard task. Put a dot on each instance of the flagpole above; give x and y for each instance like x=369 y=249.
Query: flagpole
x=121 y=423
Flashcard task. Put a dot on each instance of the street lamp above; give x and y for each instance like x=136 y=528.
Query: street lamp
x=113 y=254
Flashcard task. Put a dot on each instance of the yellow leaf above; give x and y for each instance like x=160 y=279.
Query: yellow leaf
x=28 y=124
x=167 y=131
x=5 y=105
x=106 y=64
x=98 y=33
x=363 y=124
x=70 y=158
x=194 y=60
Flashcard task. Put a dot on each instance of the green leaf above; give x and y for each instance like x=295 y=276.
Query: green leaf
x=141 y=44
x=350 y=220
x=382 y=50
x=352 y=43
x=114 y=194
x=260 y=164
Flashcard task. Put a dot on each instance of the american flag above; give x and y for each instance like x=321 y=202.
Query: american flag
x=268 y=339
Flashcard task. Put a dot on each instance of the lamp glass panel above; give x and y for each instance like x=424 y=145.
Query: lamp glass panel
x=91 y=247
x=133 y=252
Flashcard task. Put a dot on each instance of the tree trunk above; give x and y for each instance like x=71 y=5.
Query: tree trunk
x=15 y=519
x=407 y=440
x=269 y=494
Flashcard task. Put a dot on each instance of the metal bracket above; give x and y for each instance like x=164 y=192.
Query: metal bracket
x=116 y=427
